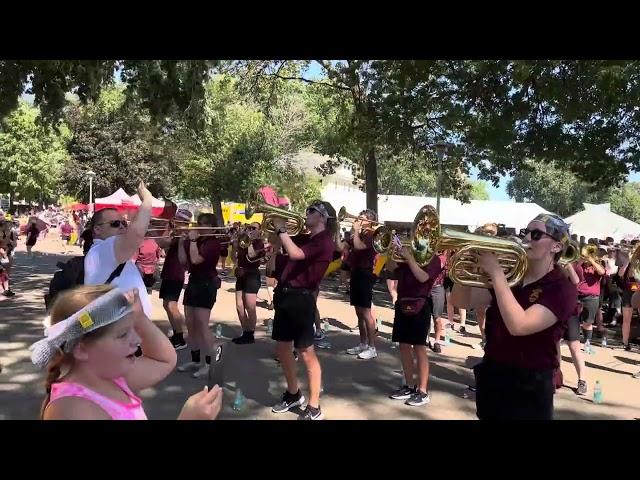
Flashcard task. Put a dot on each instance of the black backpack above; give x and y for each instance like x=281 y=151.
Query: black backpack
x=70 y=274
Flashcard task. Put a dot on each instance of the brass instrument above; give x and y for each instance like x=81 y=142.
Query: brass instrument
x=295 y=222
x=428 y=237
x=571 y=253
x=344 y=216
x=589 y=251
x=178 y=227
x=633 y=269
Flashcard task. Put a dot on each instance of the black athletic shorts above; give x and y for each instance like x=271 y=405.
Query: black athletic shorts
x=572 y=333
x=508 y=393
x=437 y=299
x=590 y=306
x=295 y=315
x=626 y=295
x=148 y=279
x=361 y=288
x=249 y=282
x=200 y=293
x=393 y=275
x=170 y=290
x=412 y=329
x=447 y=283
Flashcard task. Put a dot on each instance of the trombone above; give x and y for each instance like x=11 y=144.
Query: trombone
x=176 y=231
x=344 y=216
x=295 y=222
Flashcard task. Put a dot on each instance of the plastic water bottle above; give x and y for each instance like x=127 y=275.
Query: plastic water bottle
x=447 y=337
x=587 y=348
x=378 y=324
x=604 y=341
x=218 y=331
x=238 y=401
x=326 y=325
x=270 y=326
x=597 y=392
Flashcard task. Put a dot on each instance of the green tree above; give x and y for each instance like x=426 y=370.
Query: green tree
x=121 y=145
x=553 y=188
x=31 y=156
x=479 y=190
x=625 y=201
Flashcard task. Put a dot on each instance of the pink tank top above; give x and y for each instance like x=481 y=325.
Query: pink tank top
x=117 y=410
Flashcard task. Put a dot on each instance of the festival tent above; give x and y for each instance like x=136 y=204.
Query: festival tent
x=118 y=200
x=598 y=221
x=157 y=206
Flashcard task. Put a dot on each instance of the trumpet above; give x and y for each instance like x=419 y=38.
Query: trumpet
x=295 y=222
x=571 y=253
x=589 y=252
x=387 y=242
x=428 y=237
x=344 y=216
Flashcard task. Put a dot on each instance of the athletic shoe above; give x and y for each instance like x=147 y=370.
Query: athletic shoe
x=203 y=371
x=403 y=393
x=189 y=366
x=9 y=293
x=462 y=331
x=323 y=344
x=418 y=398
x=319 y=335
x=636 y=375
x=627 y=347
x=582 y=387
x=289 y=400
x=368 y=354
x=311 y=413
x=244 y=340
x=357 y=349
x=178 y=344
x=437 y=348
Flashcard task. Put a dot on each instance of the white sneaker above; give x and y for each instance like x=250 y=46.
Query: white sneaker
x=189 y=366
x=368 y=354
x=358 y=349
x=203 y=371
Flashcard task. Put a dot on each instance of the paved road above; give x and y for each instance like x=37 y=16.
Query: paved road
x=353 y=389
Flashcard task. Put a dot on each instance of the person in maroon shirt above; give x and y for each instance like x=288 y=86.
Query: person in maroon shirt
x=295 y=305
x=147 y=262
x=172 y=282
x=437 y=295
x=200 y=254
x=590 y=273
x=627 y=285
x=361 y=287
x=412 y=322
x=248 y=283
x=524 y=324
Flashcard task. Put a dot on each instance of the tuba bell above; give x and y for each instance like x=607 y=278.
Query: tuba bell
x=295 y=222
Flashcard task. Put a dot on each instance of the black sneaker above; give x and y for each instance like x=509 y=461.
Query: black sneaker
x=9 y=293
x=582 y=388
x=244 y=340
x=437 y=348
x=311 y=413
x=402 y=393
x=627 y=347
x=289 y=400
x=418 y=398
x=462 y=330
x=178 y=343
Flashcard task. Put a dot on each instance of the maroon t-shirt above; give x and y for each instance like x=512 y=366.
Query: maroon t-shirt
x=589 y=279
x=258 y=246
x=308 y=273
x=408 y=284
x=209 y=249
x=363 y=259
x=173 y=269
x=537 y=351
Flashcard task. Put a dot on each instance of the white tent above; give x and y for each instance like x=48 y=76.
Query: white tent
x=598 y=221
x=155 y=203
x=403 y=208
x=116 y=198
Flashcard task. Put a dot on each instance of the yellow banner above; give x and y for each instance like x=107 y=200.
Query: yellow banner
x=234 y=212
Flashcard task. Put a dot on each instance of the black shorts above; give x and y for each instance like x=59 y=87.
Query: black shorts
x=573 y=329
x=148 y=279
x=345 y=266
x=391 y=275
x=200 y=293
x=361 y=288
x=170 y=290
x=295 y=315
x=412 y=329
x=249 y=282
x=590 y=306
x=626 y=295
x=437 y=299
x=508 y=393
x=447 y=283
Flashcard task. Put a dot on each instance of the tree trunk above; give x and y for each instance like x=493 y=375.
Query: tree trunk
x=216 y=204
x=371 y=179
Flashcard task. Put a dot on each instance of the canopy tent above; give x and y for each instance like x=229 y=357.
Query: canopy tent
x=598 y=221
x=403 y=208
x=157 y=206
x=117 y=200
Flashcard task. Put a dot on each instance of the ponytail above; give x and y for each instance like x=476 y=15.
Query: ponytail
x=54 y=371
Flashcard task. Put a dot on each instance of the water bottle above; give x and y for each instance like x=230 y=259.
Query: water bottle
x=604 y=341
x=270 y=326
x=378 y=324
x=238 y=400
x=587 y=348
x=326 y=325
x=218 y=331
x=597 y=392
x=447 y=337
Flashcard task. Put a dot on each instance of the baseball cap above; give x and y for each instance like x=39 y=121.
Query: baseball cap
x=555 y=226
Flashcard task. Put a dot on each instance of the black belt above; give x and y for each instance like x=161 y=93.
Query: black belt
x=299 y=291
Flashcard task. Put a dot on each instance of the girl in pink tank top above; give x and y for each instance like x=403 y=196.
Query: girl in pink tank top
x=93 y=354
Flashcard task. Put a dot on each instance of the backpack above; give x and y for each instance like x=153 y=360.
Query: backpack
x=70 y=274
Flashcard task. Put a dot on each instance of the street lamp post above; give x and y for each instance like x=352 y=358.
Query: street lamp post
x=440 y=151
x=91 y=174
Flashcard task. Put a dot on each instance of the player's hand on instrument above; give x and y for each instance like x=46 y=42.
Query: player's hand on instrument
x=405 y=252
x=357 y=225
x=193 y=235
x=279 y=222
x=204 y=405
x=488 y=262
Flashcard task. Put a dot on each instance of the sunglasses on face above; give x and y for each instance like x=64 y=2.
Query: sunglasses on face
x=535 y=234
x=311 y=210
x=252 y=228
x=115 y=223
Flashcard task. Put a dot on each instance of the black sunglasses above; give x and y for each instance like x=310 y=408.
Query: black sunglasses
x=115 y=223
x=252 y=228
x=535 y=234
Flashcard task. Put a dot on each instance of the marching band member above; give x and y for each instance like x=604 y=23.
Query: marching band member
x=200 y=254
x=361 y=287
x=627 y=284
x=248 y=282
x=412 y=323
x=295 y=305
x=8 y=243
x=524 y=325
